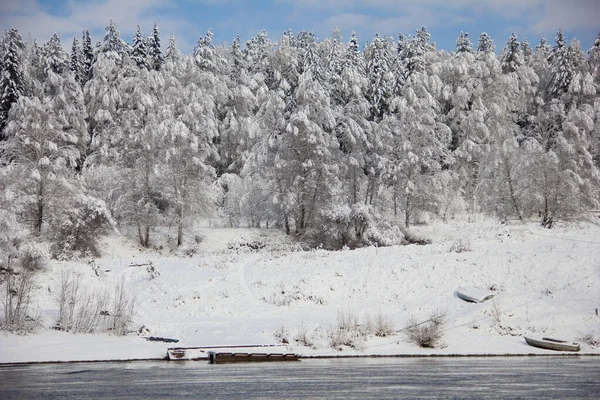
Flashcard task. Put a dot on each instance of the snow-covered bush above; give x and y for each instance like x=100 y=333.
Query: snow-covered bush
x=80 y=309
x=85 y=310
x=357 y=226
x=347 y=332
x=16 y=291
x=428 y=333
x=592 y=339
x=382 y=326
x=460 y=246
x=303 y=337
x=123 y=309
x=75 y=232
x=281 y=335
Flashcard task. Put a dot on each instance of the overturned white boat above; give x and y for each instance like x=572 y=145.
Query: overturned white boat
x=553 y=344
x=473 y=295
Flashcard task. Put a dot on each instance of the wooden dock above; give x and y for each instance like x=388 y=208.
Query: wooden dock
x=202 y=352
x=221 y=358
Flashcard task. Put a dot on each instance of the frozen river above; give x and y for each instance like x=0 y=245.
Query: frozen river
x=376 y=378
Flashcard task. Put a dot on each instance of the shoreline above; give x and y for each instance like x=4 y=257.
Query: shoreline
x=316 y=357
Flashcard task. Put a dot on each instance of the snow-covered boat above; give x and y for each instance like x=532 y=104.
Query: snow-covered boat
x=473 y=295
x=553 y=344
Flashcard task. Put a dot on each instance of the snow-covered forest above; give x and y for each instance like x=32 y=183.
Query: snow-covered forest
x=336 y=144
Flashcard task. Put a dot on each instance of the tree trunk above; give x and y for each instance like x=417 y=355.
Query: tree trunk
x=354 y=186
x=407 y=212
x=180 y=234
x=39 y=212
x=287 y=224
x=511 y=189
x=395 y=199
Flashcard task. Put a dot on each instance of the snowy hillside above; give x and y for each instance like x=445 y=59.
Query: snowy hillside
x=545 y=282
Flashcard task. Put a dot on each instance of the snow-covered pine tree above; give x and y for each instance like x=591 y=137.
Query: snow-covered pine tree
x=155 y=51
x=414 y=57
x=257 y=51
x=204 y=53
x=237 y=56
x=486 y=45
x=512 y=55
x=526 y=49
x=112 y=45
x=378 y=60
x=76 y=65
x=543 y=48
x=87 y=59
x=562 y=66
x=463 y=44
x=172 y=54
x=55 y=59
x=12 y=82
x=139 y=52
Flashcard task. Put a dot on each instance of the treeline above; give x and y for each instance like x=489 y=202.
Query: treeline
x=340 y=146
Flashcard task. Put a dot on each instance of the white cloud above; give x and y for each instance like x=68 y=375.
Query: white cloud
x=29 y=17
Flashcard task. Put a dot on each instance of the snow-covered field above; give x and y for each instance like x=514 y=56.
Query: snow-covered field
x=546 y=283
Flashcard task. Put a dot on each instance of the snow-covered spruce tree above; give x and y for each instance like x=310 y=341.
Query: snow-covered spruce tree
x=257 y=51
x=55 y=59
x=463 y=44
x=172 y=54
x=87 y=59
x=512 y=55
x=415 y=55
x=204 y=53
x=526 y=49
x=378 y=60
x=485 y=45
x=562 y=67
x=139 y=52
x=157 y=59
x=11 y=80
x=76 y=63
x=112 y=45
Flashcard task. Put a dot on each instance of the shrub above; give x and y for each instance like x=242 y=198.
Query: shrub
x=16 y=291
x=590 y=339
x=303 y=337
x=281 y=335
x=428 y=333
x=75 y=233
x=382 y=326
x=122 y=310
x=347 y=332
x=81 y=310
x=460 y=246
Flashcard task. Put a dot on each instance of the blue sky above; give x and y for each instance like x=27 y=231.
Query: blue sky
x=190 y=19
